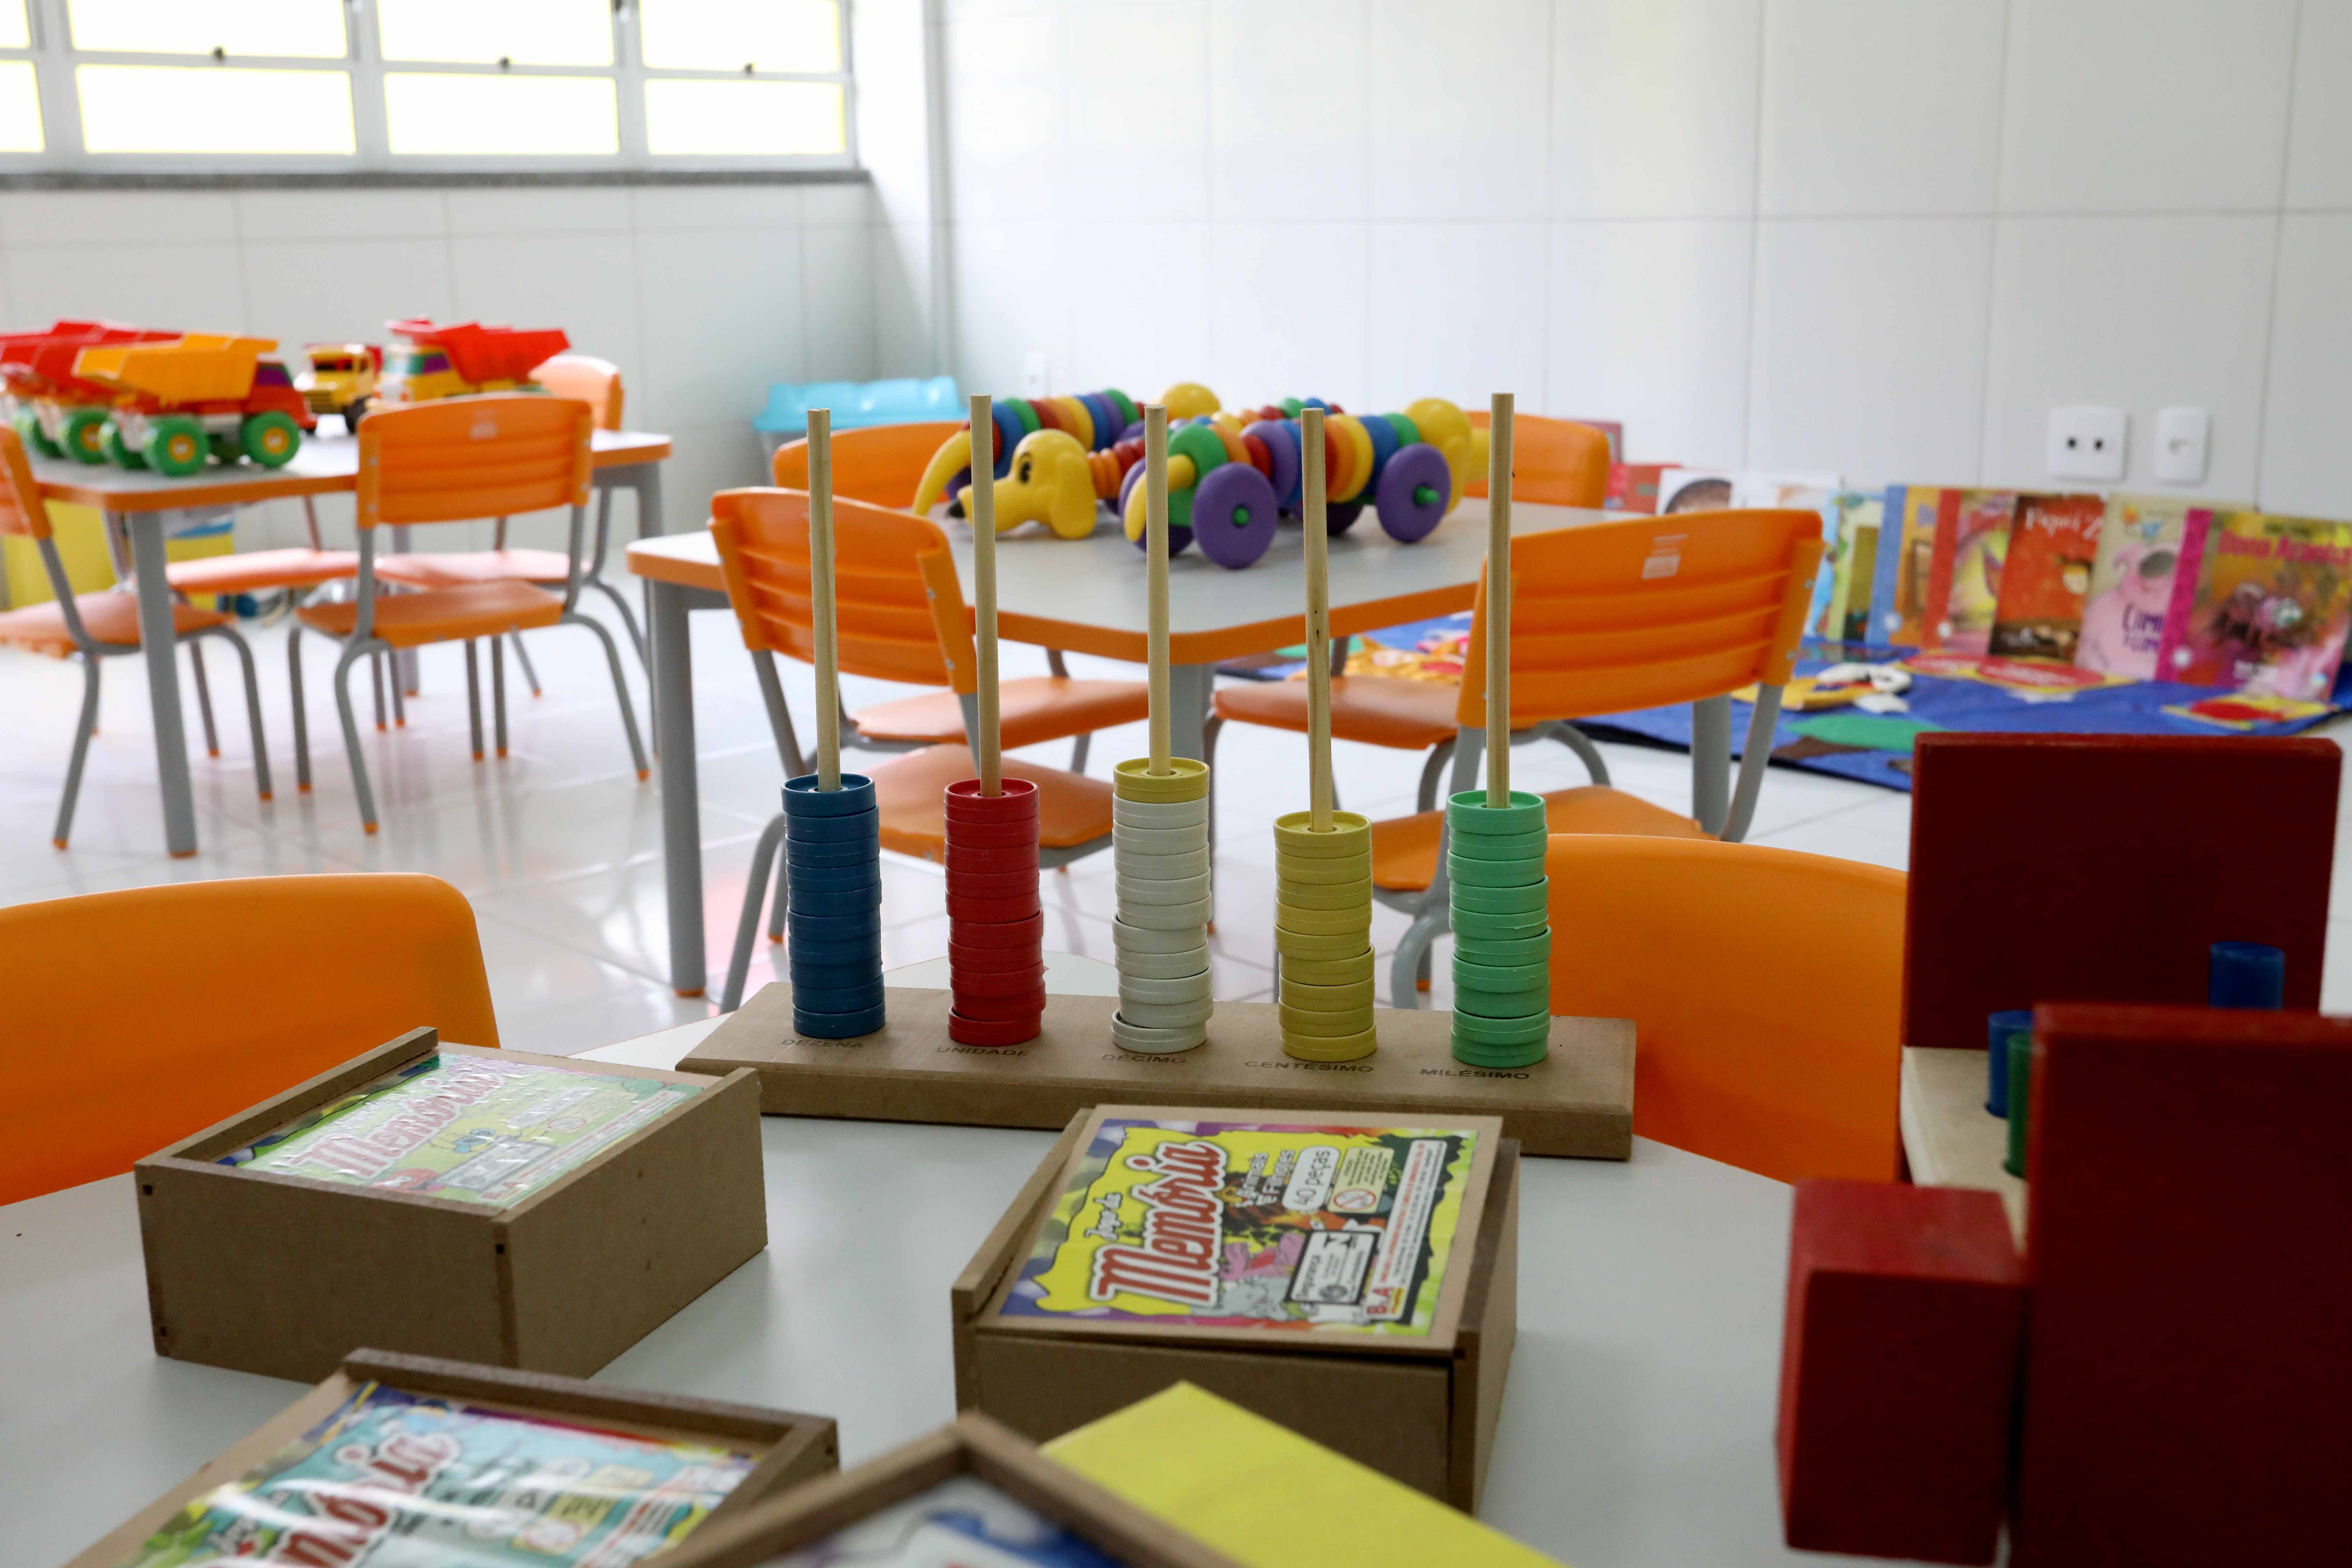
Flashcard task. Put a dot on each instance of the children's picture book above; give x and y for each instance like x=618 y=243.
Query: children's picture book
x=962 y=1523
x=1964 y=581
x=2244 y=710
x=476 y=1129
x=1903 y=563
x=1694 y=489
x=1851 y=521
x=1633 y=487
x=2131 y=584
x=2259 y=603
x=2053 y=545
x=394 y=1480
x=1273 y=1225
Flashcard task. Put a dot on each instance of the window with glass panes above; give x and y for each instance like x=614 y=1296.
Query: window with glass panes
x=429 y=84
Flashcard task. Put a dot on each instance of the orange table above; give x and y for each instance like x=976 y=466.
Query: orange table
x=137 y=502
x=1083 y=596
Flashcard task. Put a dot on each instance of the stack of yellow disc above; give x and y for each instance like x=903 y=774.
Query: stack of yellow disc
x=1323 y=930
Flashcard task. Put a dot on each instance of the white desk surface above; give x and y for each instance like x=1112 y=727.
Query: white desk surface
x=1637 y=1427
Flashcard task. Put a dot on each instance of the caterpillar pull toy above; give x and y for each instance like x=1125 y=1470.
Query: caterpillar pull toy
x=1052 y=458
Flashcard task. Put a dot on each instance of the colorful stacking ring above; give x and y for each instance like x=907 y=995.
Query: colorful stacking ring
x=1183 y=863
x=1185 y=780
x=1154 y=1041
x=1018 y=835
x=1321 y=1048
x=1176 y=840
x=1128 y=937
x=996 y=968
x=968 y=1031
x=814 y=880
x=1308 y=996
x=1007 y=858
x=1330 y=970
x=1016 y=798
x=862 y=949
x=1355 y=895
x=1167 y=917
x=835 y=1026
x=1517 y=846
x=994 y=910
x=1169 y=891
x=833 y=900
x=1302 y=871
x=1323 y=923
x=1326 y=946
x=1000 y=982
x=1468 y=812
x=1163 y=966
x=1528 y=900
x=1348 y=835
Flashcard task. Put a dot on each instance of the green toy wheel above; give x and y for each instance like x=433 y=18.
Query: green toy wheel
x=176 y=446
x=1127 y=411
x=85 y=439
x=1201 y=444
x=271 y=439
x=29 y=431
x=124 y=454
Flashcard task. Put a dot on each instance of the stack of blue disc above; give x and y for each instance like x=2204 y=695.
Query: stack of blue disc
x=832 y=861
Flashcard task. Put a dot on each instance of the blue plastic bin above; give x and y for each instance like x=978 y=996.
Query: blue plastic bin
x=855 y=405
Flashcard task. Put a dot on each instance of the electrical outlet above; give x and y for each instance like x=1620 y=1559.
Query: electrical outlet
x=2087 y=443
x=2184 y=436
x=1033 y=375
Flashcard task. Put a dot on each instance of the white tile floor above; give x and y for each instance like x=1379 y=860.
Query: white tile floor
x=559 y=844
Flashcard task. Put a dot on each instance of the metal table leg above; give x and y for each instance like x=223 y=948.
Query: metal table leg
x=157 y=642
x=673 y=683
x=1188 y=702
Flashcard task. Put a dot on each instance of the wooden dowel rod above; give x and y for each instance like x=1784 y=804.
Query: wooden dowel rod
x=1155 y=527
x=982 y=505
x=828 y=641
x=1498 y=602
x=1318 y=624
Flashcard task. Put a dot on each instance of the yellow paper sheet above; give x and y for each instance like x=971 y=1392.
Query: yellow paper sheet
x=1202 y=1464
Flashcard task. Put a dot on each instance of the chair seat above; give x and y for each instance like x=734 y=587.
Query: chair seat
x=1404 y=848
x=462 y=568
x=1378 y=709
x=1029 y=711
x=443 y=615
x=259 y=570
x=108 y=617
x=1072 y=809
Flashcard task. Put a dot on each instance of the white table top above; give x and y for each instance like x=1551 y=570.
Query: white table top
x=1637 y=1427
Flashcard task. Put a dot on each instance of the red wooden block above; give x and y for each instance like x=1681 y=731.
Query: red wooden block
x=2188 y=1360
x=1898 y=1366
x=2100 y=867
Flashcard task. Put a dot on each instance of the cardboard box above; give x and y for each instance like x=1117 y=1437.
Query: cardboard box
x=1407 y=1379
x=974 y=1447
x=285 y=1274
x=790 y=1449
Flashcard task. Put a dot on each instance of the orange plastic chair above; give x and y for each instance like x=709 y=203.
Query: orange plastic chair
x=244 y=989
x=455 y=460
x=1607 y=617
x=104 y=625
x=581 y=378
x=880 y=465
x=900 y=614
x=1556 y=461
x=1766 y=991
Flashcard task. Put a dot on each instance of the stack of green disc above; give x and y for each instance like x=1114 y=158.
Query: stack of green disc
x=1502 y=936
x=1323 y=930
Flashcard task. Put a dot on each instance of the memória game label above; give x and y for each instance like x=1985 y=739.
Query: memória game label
x=1253 y=1225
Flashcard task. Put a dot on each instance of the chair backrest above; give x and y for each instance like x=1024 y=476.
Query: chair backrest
x=1609 y=616
x=236 y=990
x=23 y=511
x=586 y=379
x=881 y=464
x=1765 y=988
x=460 y=458
x=898 y=612
x=1556 y=461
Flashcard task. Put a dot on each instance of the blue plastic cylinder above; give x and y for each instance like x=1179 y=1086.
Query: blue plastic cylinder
x=1999 y=1027
x=2246 y=974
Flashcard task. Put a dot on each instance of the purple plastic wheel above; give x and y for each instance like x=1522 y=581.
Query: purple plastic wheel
x=1282 y=448
x=1233 y=515
x=1413 y=491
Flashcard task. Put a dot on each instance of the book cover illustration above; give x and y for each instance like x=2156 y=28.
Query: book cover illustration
x=2244 y=711
x=2131 y=584
x=2259 y=603
x=482 y=1129
x=962 y=1523
x=394 y=1480
x=1903 y=563
x=1851 y=523
x=2027 y=677
x=1964 y=580
x=2053 y=546
x=1252 y=1226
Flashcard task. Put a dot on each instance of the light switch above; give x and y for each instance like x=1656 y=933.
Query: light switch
x=2183 y=439
x=2087 y=443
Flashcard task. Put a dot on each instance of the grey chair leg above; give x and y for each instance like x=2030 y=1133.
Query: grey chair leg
x=620 y=689
x=1711 y=763
x=204 y=697
x=375 y=673
x=1079 y=749
x=1577 y=740
x=351 y=736
x=779 y=717
x=1426 y=797
x=628 y=620
x=1209 y=730
x=396 y=669
x=522 y=657
x=84 y=726
x=473 y=698
x=252 y=709
x=301 y=719
x=499 y=692
x=755 y=893
x=782 y=901
x=1412 y=954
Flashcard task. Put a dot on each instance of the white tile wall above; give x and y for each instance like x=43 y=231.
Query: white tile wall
x=1881 y=239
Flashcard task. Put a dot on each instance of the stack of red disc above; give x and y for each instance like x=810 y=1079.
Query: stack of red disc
x=996 y=963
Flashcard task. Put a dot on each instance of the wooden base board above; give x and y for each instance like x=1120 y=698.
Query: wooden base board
x=1578 y=1104
x=1949 y=1137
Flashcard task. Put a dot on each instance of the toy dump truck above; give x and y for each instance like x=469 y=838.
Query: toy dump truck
x=56 y=412
x=205 y=395
x=341 y=379
x=464 y=358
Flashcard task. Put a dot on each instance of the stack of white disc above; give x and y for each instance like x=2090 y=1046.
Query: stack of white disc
x=1159 y=842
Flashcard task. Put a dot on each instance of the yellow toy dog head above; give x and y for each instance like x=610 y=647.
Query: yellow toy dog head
x=1049 y=482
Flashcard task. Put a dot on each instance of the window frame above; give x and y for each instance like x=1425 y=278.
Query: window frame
x=54 y=62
